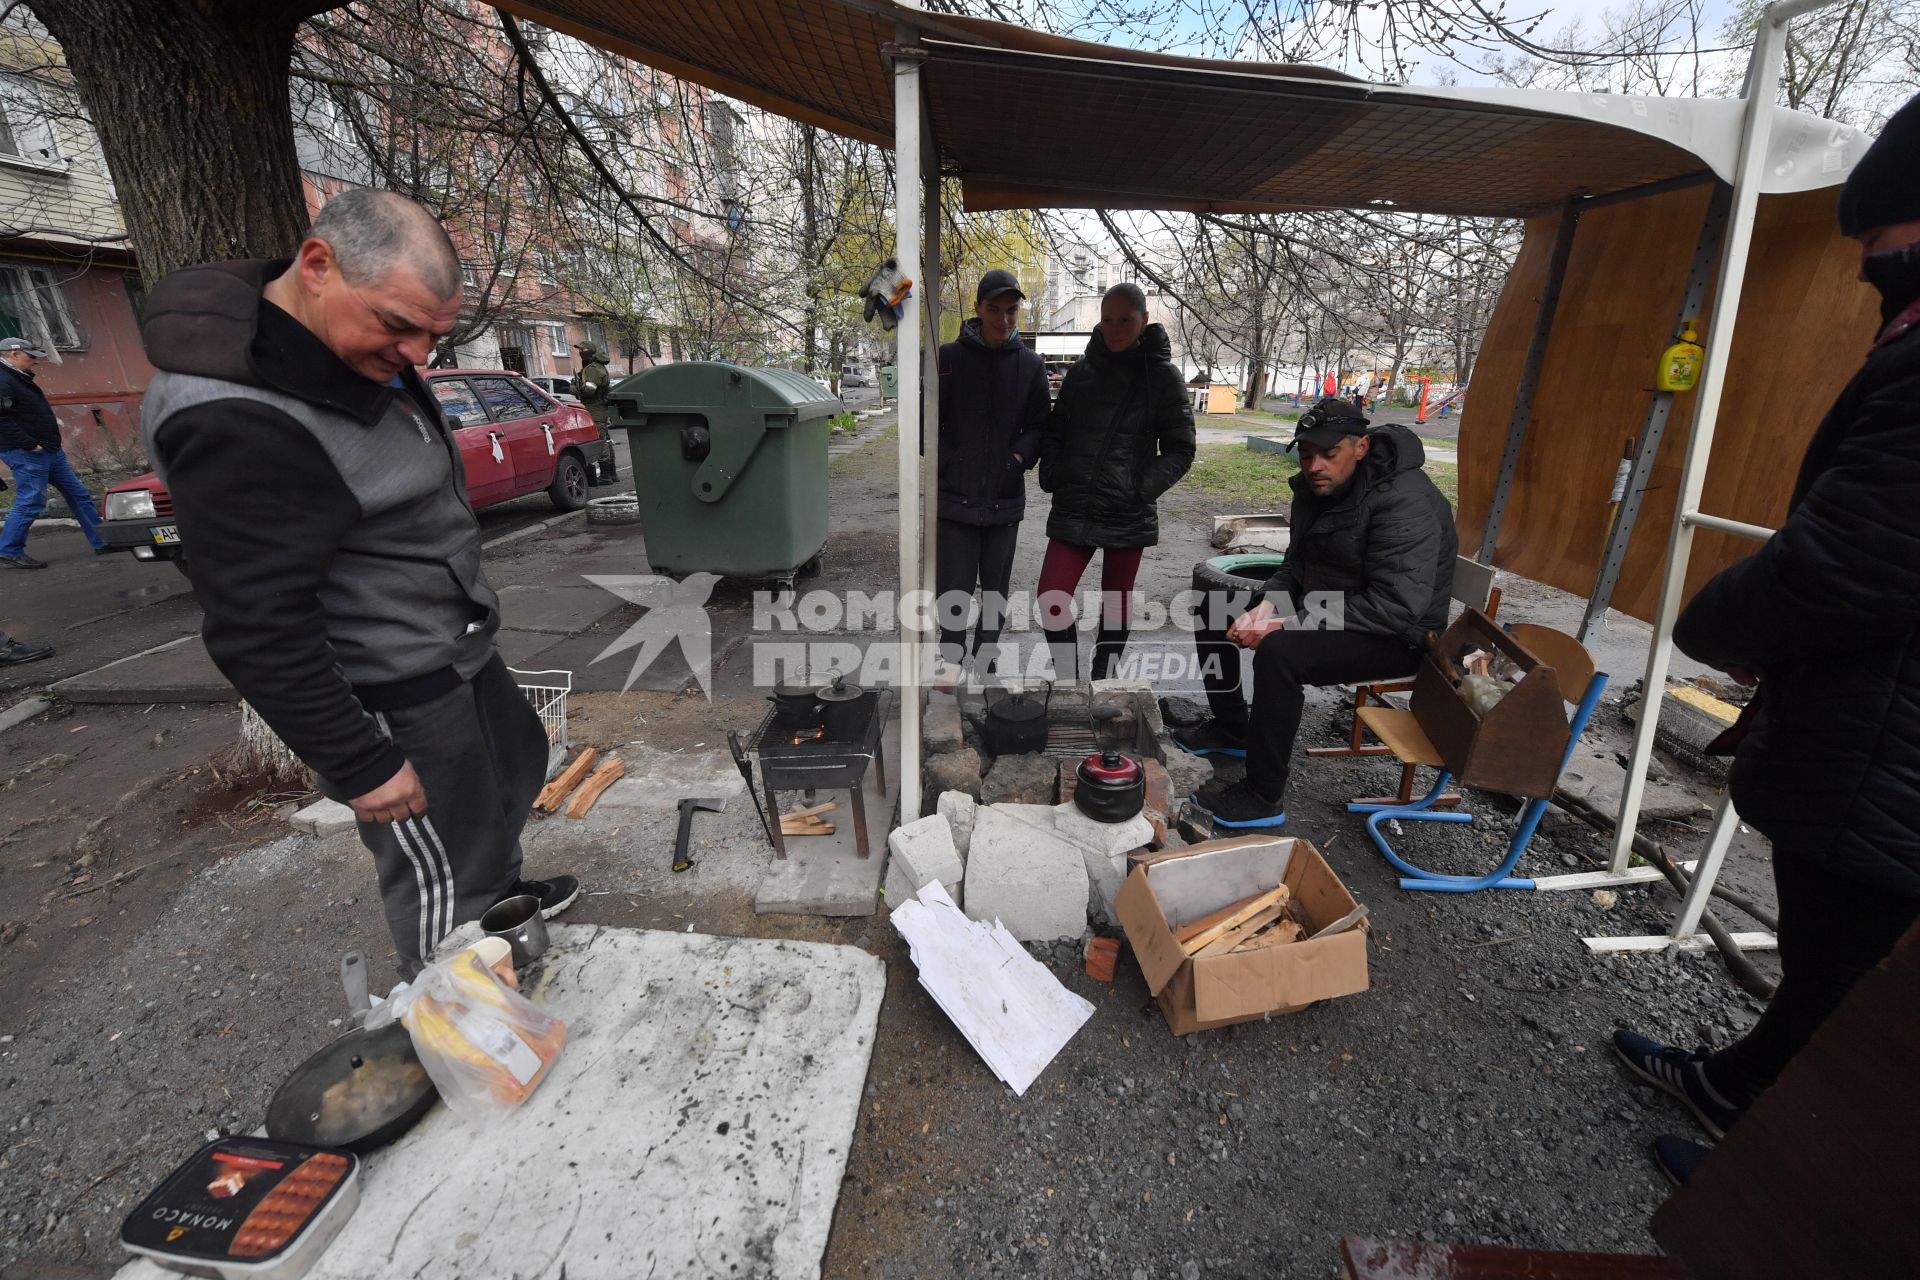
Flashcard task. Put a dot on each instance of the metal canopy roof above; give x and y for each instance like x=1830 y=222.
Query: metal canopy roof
x=1030 y=120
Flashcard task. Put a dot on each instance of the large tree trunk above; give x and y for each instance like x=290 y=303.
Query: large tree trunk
x=190 y=101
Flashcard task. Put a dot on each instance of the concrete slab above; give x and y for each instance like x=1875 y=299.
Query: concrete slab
x=697 y=1123
x=1104 y=847
x=656 y=780
x=178 y=671
x=958 y=808
x=557 y=610
x=522 y=648
x=920 y=852
x=1030 y=880
x=825 y=875
x=323 y=818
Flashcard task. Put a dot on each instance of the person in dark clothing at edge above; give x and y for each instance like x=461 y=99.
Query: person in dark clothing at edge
x=30 y=446
x=1367 y=575
x=335 y=553
x=1119 y=436
x=993 y=402
x=1825 y=618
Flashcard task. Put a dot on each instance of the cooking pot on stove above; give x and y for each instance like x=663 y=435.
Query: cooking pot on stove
x=1109 y=786
x=797 y=702
x=842 y=709
x=1017 y=723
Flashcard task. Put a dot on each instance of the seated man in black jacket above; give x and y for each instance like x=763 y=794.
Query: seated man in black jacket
x=1367 y=575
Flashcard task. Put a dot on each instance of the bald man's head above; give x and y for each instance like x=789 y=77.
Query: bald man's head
x=374 y=233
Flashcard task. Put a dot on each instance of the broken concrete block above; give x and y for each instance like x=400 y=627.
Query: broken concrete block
x=1689 y=720
x=1104 y=847
x=923 y=851
x=323 y=818
x=941 y=729
x=1031 y=881
x=1599 y=780
x=958 y=808
x=954 y=771
x=1183 y=712
x=1030 y=778
x=1186 y=774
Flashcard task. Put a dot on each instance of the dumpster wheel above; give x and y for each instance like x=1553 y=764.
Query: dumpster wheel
x=813 y=566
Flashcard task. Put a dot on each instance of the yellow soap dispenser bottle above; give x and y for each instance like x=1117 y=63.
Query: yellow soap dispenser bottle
x=1680 y=363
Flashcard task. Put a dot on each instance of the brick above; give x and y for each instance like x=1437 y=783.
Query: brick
x=323 y=818
x=1104 y=847
x=941 y=729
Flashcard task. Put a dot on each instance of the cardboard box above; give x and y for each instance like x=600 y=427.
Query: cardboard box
x=1517 y=747
x=1172 y=889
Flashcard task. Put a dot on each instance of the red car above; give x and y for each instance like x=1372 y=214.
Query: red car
x=514 y=438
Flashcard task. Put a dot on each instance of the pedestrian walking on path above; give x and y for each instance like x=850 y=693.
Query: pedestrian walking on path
x=30 y=446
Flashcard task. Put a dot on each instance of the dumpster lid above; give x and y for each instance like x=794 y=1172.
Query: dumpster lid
x=700 y=386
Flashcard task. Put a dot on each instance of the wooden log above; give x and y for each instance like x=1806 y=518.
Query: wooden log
x=603 y=777
x=554 y=794
x=811 y=810
x=1254 y=907
x=1188 y=931
x=807 y=829
x=1244 y=931
x=1282 y=932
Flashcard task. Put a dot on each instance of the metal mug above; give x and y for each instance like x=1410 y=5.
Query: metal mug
x=517 y=921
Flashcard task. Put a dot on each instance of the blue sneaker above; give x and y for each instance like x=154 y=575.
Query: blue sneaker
x=1679 y=1073
x=1211 y=738
x=1238 y=805
x=1678 y=1158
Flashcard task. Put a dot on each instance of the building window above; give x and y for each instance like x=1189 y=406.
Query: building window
x=26 y=127
x=34 y=306
x=467 y=277
x=557 y=340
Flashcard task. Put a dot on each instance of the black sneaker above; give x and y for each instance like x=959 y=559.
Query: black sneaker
x=13 y=651
x=555 y=895
x=1211 y=738
x=21 y=561
x=1678 y=1158
x=1679 y=1073
x=1239 y=805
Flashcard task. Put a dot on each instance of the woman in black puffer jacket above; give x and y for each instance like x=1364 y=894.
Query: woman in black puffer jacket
x=1119 y=436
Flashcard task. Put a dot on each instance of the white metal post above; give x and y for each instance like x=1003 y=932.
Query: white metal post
x=1694 y=905
x=1763 y=77
x=930 y=335
x=906 y=171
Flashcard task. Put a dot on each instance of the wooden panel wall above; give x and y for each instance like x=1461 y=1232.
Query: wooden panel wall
x=1804 y=325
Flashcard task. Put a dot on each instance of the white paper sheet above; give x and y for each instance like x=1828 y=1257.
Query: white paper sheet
x=1012 y=1010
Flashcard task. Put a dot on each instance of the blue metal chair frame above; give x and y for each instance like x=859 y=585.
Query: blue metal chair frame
x=1501 y=877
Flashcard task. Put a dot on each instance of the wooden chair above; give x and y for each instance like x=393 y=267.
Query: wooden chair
x=1472 y=587
x=1397 y=727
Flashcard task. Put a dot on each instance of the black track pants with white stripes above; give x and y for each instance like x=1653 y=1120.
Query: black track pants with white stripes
x=481 y=754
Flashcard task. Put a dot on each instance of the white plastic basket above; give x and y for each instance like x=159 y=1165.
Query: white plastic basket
x=547 y=692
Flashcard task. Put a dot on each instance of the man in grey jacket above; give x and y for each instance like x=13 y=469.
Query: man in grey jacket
x=1368 y=573
x=336 y=555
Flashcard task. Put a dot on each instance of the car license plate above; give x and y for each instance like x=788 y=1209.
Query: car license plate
x=165 y=535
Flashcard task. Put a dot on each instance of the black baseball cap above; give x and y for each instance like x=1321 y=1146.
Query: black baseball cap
x=995 y=283
x=1327 y=423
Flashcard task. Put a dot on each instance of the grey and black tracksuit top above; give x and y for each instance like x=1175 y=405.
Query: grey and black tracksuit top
x=333 y=547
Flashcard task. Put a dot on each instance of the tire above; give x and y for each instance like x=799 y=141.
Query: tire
x=1236 y=573
x=812 y=567
x=568 y=492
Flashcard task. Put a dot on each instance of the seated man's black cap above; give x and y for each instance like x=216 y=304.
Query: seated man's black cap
x=1328 y=422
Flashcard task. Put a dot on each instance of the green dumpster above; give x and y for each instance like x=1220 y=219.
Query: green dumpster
x=729 y=464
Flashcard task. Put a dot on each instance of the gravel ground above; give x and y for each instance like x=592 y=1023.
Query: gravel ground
x=1468 y=1095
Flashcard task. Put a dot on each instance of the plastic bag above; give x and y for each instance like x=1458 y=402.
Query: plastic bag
x=486 y=1047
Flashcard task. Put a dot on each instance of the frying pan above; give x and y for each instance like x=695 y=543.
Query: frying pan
x=378 y=1088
